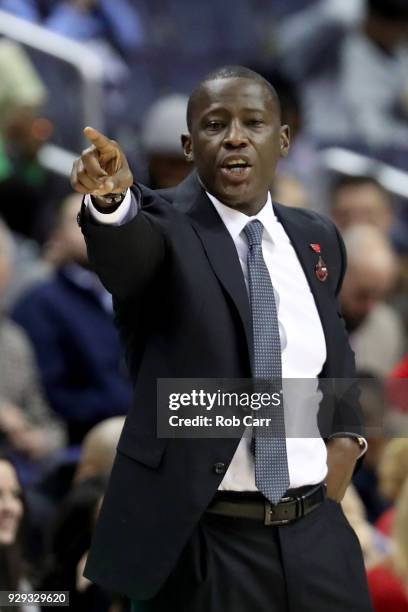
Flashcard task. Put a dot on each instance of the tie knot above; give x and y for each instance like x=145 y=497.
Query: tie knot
x=253 y=232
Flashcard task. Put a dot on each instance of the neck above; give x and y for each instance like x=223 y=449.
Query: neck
x=249 y=209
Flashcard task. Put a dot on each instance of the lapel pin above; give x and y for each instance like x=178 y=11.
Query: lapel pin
x=321 y=270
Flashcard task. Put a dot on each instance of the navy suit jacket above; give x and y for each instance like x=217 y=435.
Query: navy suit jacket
x=175 y=274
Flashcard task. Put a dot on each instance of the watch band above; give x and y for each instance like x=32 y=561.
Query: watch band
x=360 y=440
x=114 y=200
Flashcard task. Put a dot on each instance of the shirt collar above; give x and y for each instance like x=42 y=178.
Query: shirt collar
x=235 y=221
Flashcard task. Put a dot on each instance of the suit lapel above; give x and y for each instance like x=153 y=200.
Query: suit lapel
x=301 y=236
x=190 y=198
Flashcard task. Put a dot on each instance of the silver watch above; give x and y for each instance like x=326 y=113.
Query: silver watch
x=113 y=198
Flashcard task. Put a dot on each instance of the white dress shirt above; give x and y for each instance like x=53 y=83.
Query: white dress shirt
x=302 y=340
x=303 y=351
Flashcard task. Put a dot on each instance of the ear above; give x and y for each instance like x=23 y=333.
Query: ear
x=284 y=140
x=187 y=147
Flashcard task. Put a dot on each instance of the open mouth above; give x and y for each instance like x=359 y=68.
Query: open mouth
x=236 y=168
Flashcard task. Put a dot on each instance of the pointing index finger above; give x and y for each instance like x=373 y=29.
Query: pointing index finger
x=100 y=141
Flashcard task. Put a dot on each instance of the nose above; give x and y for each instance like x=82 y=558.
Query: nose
x=235 y=137
x=9 y=505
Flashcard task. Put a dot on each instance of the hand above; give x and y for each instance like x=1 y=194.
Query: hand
x=22 y=435
x=342 y=455
x=12 y=418
x=102 y=168
x=82 y=583
x=32 y=442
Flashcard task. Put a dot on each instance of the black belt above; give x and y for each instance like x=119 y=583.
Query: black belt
x=255 y=506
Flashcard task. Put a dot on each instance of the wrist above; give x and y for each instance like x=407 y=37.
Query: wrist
x=109 y=202
x=350 y=441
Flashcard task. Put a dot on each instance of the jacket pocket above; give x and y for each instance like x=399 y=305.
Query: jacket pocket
x=146 y=450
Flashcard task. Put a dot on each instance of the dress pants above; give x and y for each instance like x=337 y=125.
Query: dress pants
x=230 y=564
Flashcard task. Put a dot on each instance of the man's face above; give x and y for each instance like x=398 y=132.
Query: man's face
x=365 y=285
x=236 y=141
x=67 y=241
x=365 y=204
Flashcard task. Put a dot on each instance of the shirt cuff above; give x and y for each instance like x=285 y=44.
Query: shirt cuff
x=123 y=214
x=347 y=434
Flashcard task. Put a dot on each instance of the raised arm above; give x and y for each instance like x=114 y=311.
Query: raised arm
x=101 y=169
x=127 y=255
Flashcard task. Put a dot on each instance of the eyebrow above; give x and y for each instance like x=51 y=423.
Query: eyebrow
x=246 y=109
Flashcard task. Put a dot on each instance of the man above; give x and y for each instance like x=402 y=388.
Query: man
x=351 y=57
x=361 y=199
x=69 y=321
x=98 y=449
x=162 y=126
x=176 y=263
x=27 y=425
x=375 y=327
x=23 y=133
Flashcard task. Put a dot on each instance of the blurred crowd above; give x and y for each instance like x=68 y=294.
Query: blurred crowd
x=341 y=70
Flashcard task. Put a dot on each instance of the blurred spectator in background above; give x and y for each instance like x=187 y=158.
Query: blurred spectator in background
x=69 y=320
x=103 y=21
x=114 y=31
x=298 y=180
x=291 y=191
x=12 y=515
x=388 y=581
x=351 y=58
x=162 y=128
x=28 y=427
x=97 y=453
x=27 y=9
x=22 y=133
x=373 y=544
x=70 y=542
x=28 y=266
x=397 y=387
x=378 y=430
x=98 y=449
x=361 y=199
x=85 y=20
x=31 y=10
x=376 y=331
x=393 y=472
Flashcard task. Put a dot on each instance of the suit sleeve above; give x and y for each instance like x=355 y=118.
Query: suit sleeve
x=126 y=257
x=348 y=420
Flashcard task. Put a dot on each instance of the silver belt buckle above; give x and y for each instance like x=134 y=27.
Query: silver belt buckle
x=269 y=510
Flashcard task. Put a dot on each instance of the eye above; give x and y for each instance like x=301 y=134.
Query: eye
x=214 y=126
x=254 y=122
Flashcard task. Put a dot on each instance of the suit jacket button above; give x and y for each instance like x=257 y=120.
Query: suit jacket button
x=219 y=468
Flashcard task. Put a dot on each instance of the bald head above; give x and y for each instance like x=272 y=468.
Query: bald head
x=359 y=200
x=98 y=448
x=368 y=248
x=371 y=274
x=229 y=72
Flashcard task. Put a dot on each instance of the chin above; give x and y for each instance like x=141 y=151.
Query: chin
x=7 y=538
x=235 y=195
